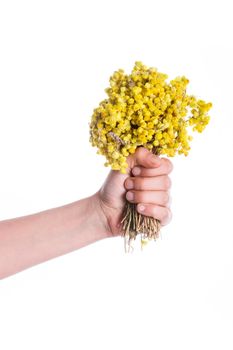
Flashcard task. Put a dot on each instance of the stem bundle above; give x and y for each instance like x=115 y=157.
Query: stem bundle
x=134 y=224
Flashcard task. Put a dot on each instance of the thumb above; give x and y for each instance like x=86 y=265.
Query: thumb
x=143 y=157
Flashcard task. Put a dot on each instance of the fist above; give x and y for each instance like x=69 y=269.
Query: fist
x=149 y=186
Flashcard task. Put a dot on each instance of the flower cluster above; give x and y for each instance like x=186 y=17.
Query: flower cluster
x=143 y=109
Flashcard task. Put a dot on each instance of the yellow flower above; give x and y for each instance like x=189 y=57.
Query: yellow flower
x=143 y=109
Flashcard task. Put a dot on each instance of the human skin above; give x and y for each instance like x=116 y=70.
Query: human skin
x=29 y=240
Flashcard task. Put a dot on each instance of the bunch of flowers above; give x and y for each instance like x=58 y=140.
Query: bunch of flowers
x=144 y=109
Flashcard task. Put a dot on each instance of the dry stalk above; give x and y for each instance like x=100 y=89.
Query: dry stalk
x=134 y=224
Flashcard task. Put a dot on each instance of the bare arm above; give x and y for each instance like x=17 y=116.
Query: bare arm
x=32 y=239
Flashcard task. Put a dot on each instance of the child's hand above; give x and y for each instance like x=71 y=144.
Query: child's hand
x=147 y=184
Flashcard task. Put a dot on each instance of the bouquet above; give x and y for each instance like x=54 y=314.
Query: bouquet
x=144 y=109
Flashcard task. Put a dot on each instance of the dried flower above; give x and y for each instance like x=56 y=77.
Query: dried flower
x=143 y=109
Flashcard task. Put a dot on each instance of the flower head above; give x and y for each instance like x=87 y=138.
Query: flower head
x=144 y=109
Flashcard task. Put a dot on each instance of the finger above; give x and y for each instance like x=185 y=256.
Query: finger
x=162 y=183
x=162 y=214
x=143 y=157
x=152 y=197
x=165 y=167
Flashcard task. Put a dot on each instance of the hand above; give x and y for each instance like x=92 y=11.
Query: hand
x=149 y=188
x=32 y=239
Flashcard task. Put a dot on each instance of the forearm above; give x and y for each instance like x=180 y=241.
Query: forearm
x=32 y=239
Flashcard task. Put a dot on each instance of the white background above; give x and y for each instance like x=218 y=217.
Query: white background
x=55 y=61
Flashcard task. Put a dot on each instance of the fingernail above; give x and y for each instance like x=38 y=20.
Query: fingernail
x=130 y=196
x=129 y=184
x=141 y=207
x=136 y=171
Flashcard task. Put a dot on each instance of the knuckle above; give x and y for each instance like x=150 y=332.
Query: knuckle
x=166 y=215
x=169 y=182
x=165 y=198
x=166 y=182
x=168 y=165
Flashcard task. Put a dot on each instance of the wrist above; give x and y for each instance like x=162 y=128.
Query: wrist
x=108 y=216
x=97 y=216
x=90 y=221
